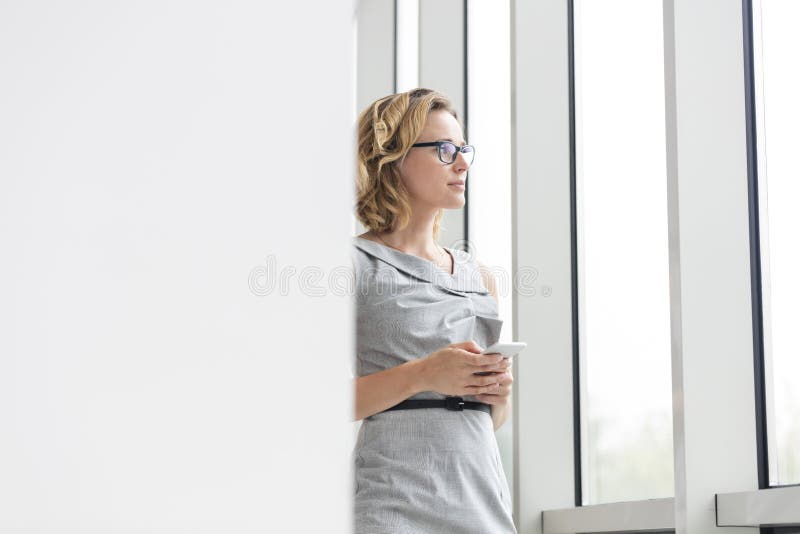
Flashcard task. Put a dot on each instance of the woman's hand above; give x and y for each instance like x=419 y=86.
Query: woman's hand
x=502 y=396
x=450 y=371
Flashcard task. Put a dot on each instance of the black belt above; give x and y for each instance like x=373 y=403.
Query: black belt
x=451 y=403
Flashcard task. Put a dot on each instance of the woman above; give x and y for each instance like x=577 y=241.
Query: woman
x=426 y=458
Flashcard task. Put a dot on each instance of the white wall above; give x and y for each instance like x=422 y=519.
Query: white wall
x=154 y=156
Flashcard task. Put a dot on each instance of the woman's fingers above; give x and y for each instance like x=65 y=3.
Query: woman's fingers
x=484 y=362
x=503 y=364
x=494 y=387
x=486 y=380
x=498 y=384
x=490 y=388
x=494 y=392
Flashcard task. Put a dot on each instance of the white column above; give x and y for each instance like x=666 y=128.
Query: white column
x=712 y=346
x=542 y=261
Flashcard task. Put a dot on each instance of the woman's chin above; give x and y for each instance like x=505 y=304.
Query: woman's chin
x=456 y=202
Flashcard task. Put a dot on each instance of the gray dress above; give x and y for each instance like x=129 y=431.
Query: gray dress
x=427 y=470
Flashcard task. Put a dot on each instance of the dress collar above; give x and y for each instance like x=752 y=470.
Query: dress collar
x=465 y=277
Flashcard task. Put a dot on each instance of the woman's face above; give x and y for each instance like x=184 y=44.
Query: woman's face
x=428 y=180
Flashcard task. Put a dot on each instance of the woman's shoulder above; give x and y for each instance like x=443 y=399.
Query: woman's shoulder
x=367 y=236
x=365 y=254
x=360 y=245
x=487 y=277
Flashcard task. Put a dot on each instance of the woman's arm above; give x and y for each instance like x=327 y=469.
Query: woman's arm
x=500 y=413
x=449 y=370
x=384 y=389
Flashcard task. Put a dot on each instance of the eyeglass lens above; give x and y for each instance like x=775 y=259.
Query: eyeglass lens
x=448 y=153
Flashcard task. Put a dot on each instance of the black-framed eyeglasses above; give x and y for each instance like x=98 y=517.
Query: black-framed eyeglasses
x=448 y=152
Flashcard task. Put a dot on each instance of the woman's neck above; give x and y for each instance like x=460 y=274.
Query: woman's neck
x=413 y=241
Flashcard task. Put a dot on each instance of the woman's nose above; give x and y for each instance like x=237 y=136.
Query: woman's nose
x=461 y=161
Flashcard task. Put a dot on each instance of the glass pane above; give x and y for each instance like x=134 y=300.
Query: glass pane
x=781 y=260
x=623 y=251
x=407 y=42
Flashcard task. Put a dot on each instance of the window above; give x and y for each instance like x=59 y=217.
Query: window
x=623 y=253
x=779 y=190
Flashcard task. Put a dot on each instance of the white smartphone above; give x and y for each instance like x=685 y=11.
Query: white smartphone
x=506 y=349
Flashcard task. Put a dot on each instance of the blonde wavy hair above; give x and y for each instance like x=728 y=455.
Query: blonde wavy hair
x=386 y=130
